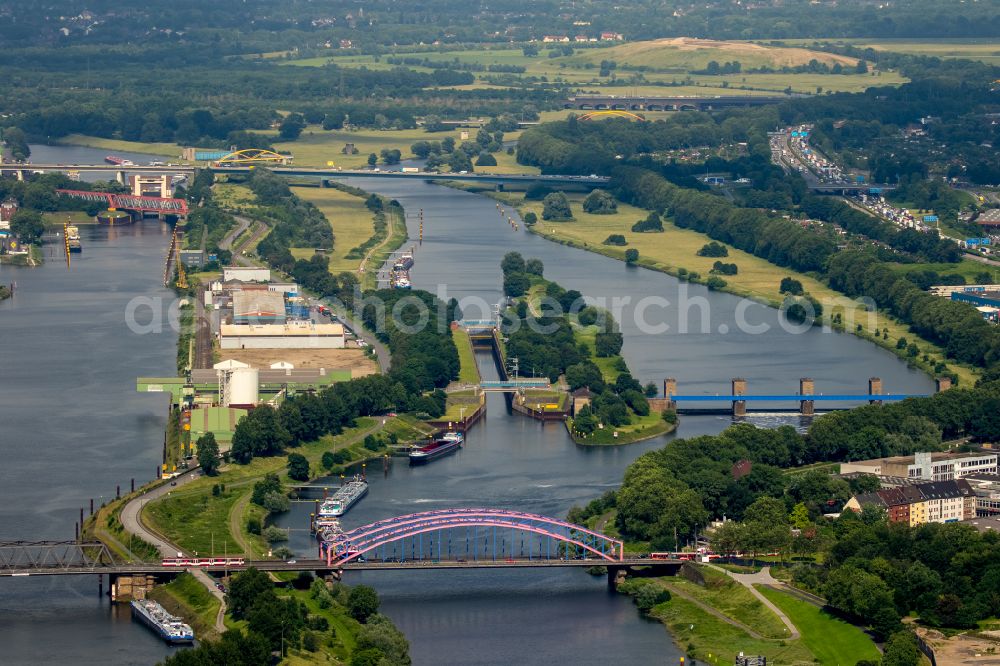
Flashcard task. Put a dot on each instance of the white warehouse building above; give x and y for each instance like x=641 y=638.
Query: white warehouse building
x=296 y=335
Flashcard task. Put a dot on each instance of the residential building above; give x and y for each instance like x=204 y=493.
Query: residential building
x=926 y=466
x=7 y=210
x=935 y=502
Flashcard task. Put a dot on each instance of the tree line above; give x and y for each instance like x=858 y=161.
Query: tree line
x=669 y=493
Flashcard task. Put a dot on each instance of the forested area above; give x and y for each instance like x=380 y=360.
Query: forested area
x=546 y=330
x=282 y=621
x=252 y=26
x=957 y=327
x=669 y=494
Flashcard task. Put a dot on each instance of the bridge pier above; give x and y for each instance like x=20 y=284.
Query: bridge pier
x=616 y=576
x=20 y=174
x=739 y=389
x=874 y=389
x=126 y=587
x=806 y=387
x=120 y=177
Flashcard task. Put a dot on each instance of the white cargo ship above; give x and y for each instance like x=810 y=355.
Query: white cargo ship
x=344 y=498
x=170 y=628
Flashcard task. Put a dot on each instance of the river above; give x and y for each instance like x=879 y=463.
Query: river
x=73 y=427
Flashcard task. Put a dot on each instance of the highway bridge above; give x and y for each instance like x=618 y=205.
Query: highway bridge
x=315 y=172
x=666 y=103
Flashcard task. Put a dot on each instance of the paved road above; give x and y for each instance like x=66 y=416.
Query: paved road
x=131 y=519
x=762 y=577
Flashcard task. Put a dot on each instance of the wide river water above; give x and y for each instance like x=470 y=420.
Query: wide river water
x=72 y=427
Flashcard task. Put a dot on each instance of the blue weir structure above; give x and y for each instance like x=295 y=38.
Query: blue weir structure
x=806 y=397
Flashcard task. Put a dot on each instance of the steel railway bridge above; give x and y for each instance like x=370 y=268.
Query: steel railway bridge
x=433 y=540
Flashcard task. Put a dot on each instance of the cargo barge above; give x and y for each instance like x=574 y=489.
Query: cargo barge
x=170 y=628
x=345 y=497
x=448 y=442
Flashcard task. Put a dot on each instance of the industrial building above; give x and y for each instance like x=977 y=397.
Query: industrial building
x=294 y=335
x=258 y=306
x=926 y=466
x=246 y=274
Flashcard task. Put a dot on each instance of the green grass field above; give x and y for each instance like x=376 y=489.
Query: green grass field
x=718 y=642
x=186 y=596
x=985 y=50
x=830 y=639
x=733 y=600
x=758 y=279
x=685 y=54
x=670 y=61
x=198 y=521
x=350 y=220
x=75 y=217
x=469 y=372
x=319 y=147
x=168 y=149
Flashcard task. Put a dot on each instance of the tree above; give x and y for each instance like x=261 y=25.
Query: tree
x=790 y=286
x=27 y=225
x=651 y=223
x=485 y=159
x=512 y=262
x=555 y=206
x=328 y=460
x=800 y=516
x=234 y=648
x=372 y=159
x=260 y=433
x=362 y=602
x=17 y=142
x=208 y=454
x=901 y=650
x=530 y=218
x=534 y=267
x=380 y=634
x=244 y=589
x=650 y=595
x=608 y=343
x=391 y=155
x=298 y=467
x=600 y=202
x=631 y=256
x=369 y=657
x=530 y=50
x=713 y=249
x=279 y=621
x=291 y=127
x=515 y=284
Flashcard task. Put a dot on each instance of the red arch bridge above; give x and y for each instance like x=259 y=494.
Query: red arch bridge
x=468 y=536
x=131 y=202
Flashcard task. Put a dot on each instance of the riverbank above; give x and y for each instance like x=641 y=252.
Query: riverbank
x=675 y=252
x=33 y=258
x=712 y=615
